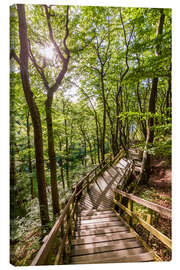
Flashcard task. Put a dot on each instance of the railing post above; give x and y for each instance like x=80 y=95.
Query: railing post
x=61 y=259
x=69 y=234
x=130 y=207
x=148 y=220
x=120 y=201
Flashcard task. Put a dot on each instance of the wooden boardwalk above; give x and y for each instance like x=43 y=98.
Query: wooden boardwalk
x=100 y=236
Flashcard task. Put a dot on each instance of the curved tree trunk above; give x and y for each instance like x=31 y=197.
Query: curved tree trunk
x=35 y=115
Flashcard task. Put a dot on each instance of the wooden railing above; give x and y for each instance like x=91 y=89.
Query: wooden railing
x=57 y=244
x=119 y=208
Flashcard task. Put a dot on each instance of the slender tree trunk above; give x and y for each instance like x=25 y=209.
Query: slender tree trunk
x=95 y=153
x=67 y=155
x=152 y=107
x=61 y=166
x=29 y=157
x=97 y=138
x=12 y=135
x=104 y=116
x=143 y=123
x=85 y=153
x=35 y=115
x=90 y=149
x=13 y=203
x=168 y=95
x=52 y=155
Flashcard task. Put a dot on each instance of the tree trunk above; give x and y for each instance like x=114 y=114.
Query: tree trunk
x=61 y=166
x=143 y=123
x=12 y=152
x=153 y=94
x=67 y=156
x=168 y=96
x=52 y=155
x=85 y=153
x=104 y=117
x=152 y=107
x=145 y=168
x=29 y=157
x=35 y=115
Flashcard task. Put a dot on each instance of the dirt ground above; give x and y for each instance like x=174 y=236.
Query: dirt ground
x=161 y=180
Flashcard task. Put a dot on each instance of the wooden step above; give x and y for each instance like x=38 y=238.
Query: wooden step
x=96 y=239
x=98 y=225
x=119 y=245
x=101 y=231
x=101 y=257
x=143 y=257
x=96 y=220
x=102 y=244
x=94 y=212
x=111 y=214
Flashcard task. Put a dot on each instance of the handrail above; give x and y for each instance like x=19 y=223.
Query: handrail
x=132 y=215
x=153 y=206
x=45 y=248
x=63 y=228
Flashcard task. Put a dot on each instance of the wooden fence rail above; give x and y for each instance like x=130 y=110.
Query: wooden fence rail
x=134 y=216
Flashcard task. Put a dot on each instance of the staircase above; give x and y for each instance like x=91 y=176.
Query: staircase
x=100 y=236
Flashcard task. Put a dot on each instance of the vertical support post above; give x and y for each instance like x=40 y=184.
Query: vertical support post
x=130 y=207
x=120 y=200
x=69 y=234
x=61 y=260
x=148 y=220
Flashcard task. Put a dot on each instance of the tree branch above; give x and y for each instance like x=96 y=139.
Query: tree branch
x=38 y=68
x=14 y=55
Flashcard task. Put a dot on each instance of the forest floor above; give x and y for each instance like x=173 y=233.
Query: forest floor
x=159 y=190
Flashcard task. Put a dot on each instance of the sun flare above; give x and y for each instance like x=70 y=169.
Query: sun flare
x=47 y=52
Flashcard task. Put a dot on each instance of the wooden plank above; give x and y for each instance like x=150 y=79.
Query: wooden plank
x=82 y=235
x=101 y=231
x=99 y=257
x=120 y=245
x=96 y=239
x=111 y=214
x=99 y=225
x=144 y=257
x=94 y=212
x=153 y=206
x=96 y=220
x=103 y=244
